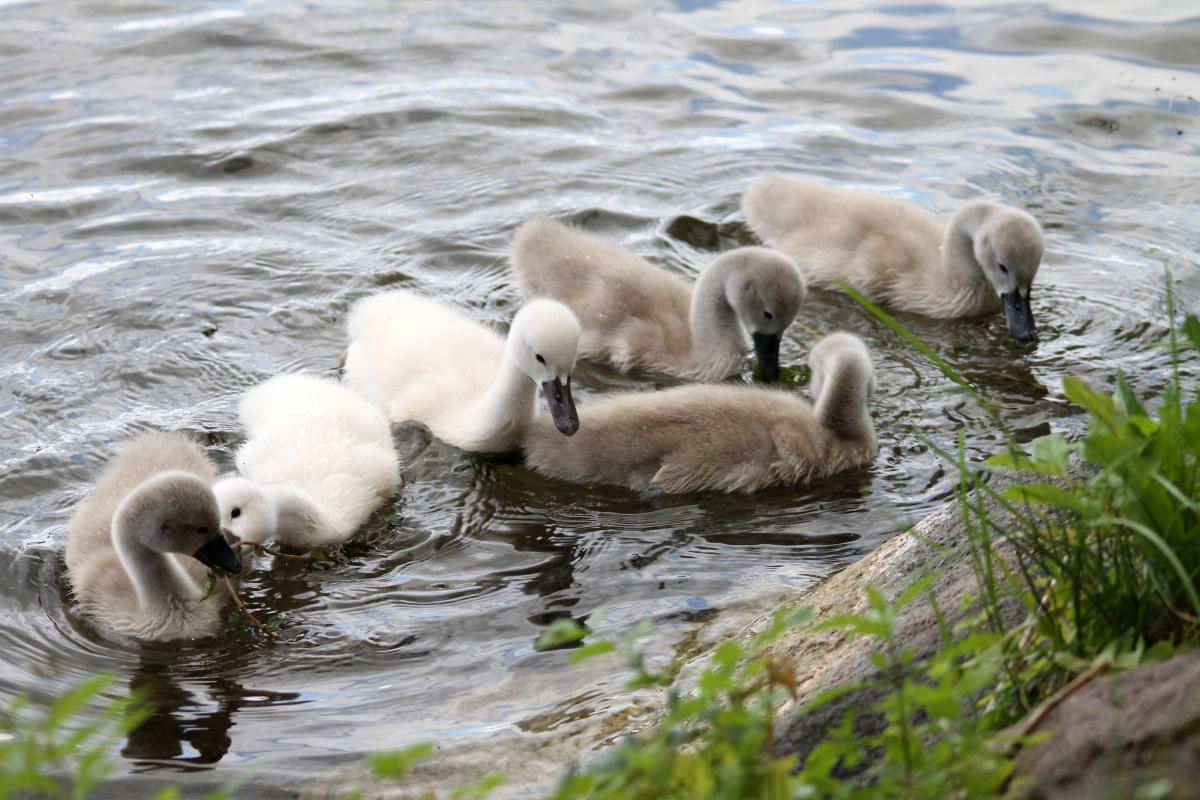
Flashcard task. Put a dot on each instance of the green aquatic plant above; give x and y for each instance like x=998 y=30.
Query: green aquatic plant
x=1117 y=539
x=789 y=377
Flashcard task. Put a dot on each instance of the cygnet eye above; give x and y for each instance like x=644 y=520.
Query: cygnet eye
x=202 y=530
x=539 y=358
x=1003 y=268
x=768 y=315
x=235 y=513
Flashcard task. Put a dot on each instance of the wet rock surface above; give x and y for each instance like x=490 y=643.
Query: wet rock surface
x=1119 y=734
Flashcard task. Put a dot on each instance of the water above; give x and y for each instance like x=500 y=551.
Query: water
x=192 y=195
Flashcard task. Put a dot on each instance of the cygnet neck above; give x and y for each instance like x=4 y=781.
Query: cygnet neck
x=508 y=402
x=958 y=244
x=970 y=289
x=717 y=335
x=157 y=578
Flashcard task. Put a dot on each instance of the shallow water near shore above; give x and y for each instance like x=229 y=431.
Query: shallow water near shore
x=192 y=195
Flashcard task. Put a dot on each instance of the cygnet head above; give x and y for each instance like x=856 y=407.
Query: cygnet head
x=246 y=512
x=839 y=348
x=765 y=288
x=543 y=341
x=1008 y=247
x=175 y=512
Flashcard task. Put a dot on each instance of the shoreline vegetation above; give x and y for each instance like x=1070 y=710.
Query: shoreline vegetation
x=1060 y=586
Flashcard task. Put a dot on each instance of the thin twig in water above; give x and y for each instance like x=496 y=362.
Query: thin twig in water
x=233 y=593
x=286 y=556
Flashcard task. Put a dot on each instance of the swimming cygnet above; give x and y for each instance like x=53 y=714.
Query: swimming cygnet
x=139 y=547
x=720 y=437
x=640 y=317
x=898 y=255
x=426 y=362
x=317 y=461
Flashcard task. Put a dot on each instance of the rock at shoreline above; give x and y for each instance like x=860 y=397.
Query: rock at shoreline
x=1119 y=733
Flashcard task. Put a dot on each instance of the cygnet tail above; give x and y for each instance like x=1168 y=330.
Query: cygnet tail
x=844 y=377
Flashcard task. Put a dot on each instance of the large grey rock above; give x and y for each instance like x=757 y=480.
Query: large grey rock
x=1119 y=733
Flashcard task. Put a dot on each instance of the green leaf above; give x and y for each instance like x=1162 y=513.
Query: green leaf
x=210 y=583
x=591 y=650
x=1156 y=789
x=1191 y=330
x=399 y=763
x=1044 y=494
x=562 y=631
x=854 y=623
x=74 y=700
x=1052 y=451
x=1126 y=399
x=481 y=789
x=918 y=588
x=1078 y=392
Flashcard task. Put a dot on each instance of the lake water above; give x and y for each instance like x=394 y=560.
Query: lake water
x=193 y=194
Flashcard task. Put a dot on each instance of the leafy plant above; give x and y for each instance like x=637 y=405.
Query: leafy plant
x=1104 y=529
x=935 y=740
x=50 y=753
x=713 y=743
x=62 y=751
x=719 y=740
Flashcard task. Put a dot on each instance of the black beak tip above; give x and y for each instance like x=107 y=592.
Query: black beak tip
x=766 y=350
x=217 y=554
x=1019 y=315
x=562 y=406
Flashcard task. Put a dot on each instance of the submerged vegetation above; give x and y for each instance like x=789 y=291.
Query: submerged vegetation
x=1099 y=550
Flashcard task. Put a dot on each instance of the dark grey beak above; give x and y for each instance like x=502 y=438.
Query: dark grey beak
x=217 y=553
x=230 y=536
x=766 y=349
x=562 y=407
x=1019 y=316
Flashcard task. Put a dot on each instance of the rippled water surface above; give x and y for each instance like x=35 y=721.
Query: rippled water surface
x=192 y=195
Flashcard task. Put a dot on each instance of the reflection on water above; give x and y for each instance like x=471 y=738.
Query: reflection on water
x=191 y=196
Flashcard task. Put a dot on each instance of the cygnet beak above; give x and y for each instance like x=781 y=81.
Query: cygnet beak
x=766 y=349
x=217 y=553
x=1019 y=316
x=562 y=406
x=230 y=536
